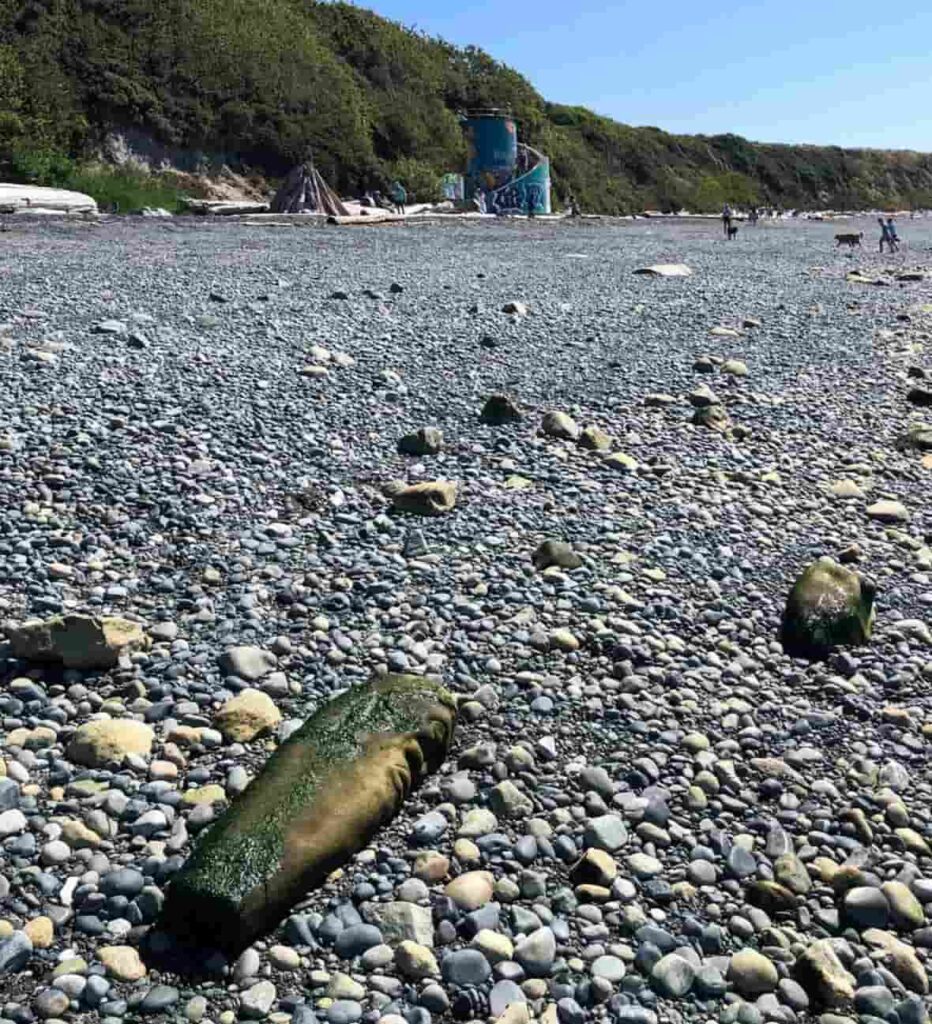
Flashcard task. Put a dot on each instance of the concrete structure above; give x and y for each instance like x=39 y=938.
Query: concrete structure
x=513 y=178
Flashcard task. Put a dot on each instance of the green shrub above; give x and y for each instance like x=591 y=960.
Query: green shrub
x=124 y=189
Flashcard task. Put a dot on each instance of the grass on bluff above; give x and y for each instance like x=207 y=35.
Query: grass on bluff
x=119 y=189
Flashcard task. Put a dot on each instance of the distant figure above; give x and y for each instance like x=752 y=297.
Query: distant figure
x=753 y=215
x=884 y=235
x=893 y=238
x=573 y=205
x=399 y=197
x=479 y=202
x=726 y=221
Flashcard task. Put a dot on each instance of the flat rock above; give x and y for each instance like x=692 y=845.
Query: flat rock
x=109 y=741
x=249 y=714
x=76 y=641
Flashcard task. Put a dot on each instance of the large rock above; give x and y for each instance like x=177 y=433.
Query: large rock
x=713 y=417
x=752 y=973
x=499 y=410
x=319 y=799
x=248 y=663
x=900 y=958
x=15 y=951
x=918 y=436
x=108 y=741
x=430 y=498
x=76 y=641
x=560 y=425
x=400 y=921
x=824 y=977
x=472 y=890
x=558 y=553
x=887 y=511
x=424 y=441
x=247 y=715
x=122 y=962
x=829 y=606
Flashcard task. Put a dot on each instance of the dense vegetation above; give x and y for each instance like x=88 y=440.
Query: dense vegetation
x=256 y=84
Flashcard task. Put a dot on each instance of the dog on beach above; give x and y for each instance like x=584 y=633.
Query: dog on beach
x=851 y=240
x=732 y=231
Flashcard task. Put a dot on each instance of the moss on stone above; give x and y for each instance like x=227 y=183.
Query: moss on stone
x=319 y=798
x=829 y=606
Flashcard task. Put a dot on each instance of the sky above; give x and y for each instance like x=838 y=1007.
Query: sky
x=852 y=73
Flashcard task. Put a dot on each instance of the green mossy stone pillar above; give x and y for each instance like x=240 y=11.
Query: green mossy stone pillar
x=319 y=799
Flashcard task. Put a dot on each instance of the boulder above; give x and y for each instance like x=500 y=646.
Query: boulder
x=424 y=441
x=712 y=416
x=108 y=741
x=824 y=977
x=247 y=663
x=122 y=962
x=430 y=498
x=320 y=798
x=752 y=973
x=918 y=436
x=247 y=715
x=829 y=606
x=702 y=396
x=621 y=462
x=560 y=425
x=594 y=439
x=886 y=511
x=472 y=890
x=556 y=552
x=76 y=641
x=500 y=409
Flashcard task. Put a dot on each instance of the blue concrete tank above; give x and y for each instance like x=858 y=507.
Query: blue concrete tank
x=492 y=139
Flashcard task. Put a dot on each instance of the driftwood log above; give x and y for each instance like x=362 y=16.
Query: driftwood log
x=319 y=799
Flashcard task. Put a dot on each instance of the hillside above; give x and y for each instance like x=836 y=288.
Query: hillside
x=254 y=84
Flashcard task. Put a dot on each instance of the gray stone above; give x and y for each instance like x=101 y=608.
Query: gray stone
x=257 y=1000
x=465 y=968
x=14 y=953
x=399 y=921
x=536 y=953
x=673 y=975
x=606 y=832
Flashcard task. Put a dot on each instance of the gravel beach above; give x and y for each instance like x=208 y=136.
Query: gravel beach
x=650 y=812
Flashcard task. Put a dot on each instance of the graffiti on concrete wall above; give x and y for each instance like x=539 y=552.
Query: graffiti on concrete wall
x=517 y=198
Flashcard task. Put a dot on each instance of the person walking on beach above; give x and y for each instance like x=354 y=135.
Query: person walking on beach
x=726 y=220
x=399 y=197
x=893 y=239
x=884 y=235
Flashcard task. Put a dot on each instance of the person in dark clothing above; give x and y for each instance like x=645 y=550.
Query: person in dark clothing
x=893 y=239
x=399 y=197
x=726 y=220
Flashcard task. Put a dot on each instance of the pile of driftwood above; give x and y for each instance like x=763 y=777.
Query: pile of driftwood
x=304 y=190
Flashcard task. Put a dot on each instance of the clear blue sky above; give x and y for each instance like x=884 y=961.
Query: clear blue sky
x=851 y=73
